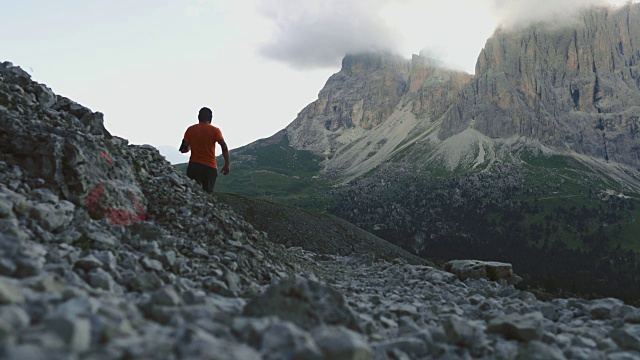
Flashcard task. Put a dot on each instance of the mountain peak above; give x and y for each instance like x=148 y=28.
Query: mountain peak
x=372 y=61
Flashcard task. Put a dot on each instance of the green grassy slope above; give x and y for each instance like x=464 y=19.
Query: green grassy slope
x=272 y=170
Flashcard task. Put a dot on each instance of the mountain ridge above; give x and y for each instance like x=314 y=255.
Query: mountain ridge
x=540 y=90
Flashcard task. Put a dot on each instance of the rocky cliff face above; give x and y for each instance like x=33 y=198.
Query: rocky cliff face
x=574 y=87
x=362 y=95
x=373 y=105
x=432 y=88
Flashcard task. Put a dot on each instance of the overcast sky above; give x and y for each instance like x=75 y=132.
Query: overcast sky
x=149 y=65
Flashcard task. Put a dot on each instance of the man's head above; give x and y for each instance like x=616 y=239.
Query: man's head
x=205 y=115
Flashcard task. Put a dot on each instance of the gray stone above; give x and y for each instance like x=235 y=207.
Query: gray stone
x=167 y=296
x=549 y=311
x=603 y=308
x=284 y=340
x=102 y=240
x=151 y=264
x=13 y=319
x=518 y=327
x=6 y=207
x=11 y=227
x=7 y=267
x=88 y=262
x=108 y=259
x=404 y=310
x=474 y=269
x=627 y=355
x=168 y=258
x=536 y=350
x=233 y=281
x=200 y=251
x=305 y=303
x=95 y=123
x=627 y=337
x=75 y=332
x=633 y=317
x=412 y=346
x=579 y=353
x=250 y=330
x=197 y=344
x=10 y=292
x=193 y=297
x=146 y=230
x=214 y=285
x=337 y=342
x=146 y=281
x=463 y=332
x=98 y=278
x=45 y=96
x=53 y=216
x=26 y=351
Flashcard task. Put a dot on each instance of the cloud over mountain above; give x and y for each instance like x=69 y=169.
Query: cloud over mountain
x=522 y=13
x=313 y=34
x=318 y=34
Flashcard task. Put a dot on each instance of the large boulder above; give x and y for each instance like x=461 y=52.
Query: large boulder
x=305 y=303
x=66 y=146
x=475 y=269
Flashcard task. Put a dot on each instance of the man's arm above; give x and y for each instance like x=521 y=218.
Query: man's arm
x=184 y=147
x=225 y=155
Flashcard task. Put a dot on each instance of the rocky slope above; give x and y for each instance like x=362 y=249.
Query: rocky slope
x=293 y=227
x=107 y=252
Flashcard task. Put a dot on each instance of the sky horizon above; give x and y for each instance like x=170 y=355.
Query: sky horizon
x=150 y=66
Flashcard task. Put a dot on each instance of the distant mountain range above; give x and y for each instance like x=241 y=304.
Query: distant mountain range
x=534 y=160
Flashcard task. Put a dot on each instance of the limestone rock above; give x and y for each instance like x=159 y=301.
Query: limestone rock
x=365 y=93
x=53 y=216
x=74 y=332
x=603 y=308
x=305 y=303
x=10 y=293
x=463 y=332
x=628 y=337
x=474 y=269
x=13 y=319
x=519 y=327
x=574 y=87
x=337 y=342
x=284 y=340
x=537 y=350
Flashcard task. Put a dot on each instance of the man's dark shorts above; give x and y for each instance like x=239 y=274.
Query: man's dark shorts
x=203 y=175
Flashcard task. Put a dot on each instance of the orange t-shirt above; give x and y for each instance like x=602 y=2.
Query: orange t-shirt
x=202 y=139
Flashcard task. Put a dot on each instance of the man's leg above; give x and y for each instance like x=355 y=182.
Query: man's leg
x=210 y=180
x=196 y=172
x=192 y=172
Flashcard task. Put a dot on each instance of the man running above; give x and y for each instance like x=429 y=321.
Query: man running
x=201 y=139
